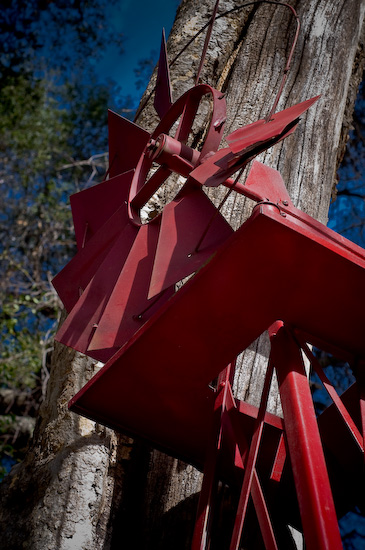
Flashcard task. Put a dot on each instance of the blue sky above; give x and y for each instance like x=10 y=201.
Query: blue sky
x=141 y=23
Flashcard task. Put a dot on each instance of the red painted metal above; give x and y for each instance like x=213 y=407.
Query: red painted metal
x=182 y=221
x=119 y=253
x=261 y=131
x=77 y=274
x=199 y=330
x=94 y=206
x=269 y=537
x=347 y=418
x=186 y=108
x=201 y=538
x=225 y=433
x=126 y=144
x=307 y=459
x=119 y=291
x=128 y=306
x=163 y=92
x=246 y=143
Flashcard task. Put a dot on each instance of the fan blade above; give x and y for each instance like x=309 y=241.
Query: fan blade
x=220 y=166
x=261 y=130
x=123 y=316
x=92 y=207
x=214 y=170
x=126 y=143
x=183 y=224
x=77 y=330
x=268 y=184
x=163 y=93
x=76 y=275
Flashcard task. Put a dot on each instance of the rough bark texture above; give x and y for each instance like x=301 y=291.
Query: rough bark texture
x=81 y=486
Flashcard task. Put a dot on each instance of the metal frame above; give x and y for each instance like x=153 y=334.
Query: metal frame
x=301 y=441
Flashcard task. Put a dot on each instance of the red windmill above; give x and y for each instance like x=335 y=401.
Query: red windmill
x=120 y=293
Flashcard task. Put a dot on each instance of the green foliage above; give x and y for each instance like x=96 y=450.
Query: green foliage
x=53 y=142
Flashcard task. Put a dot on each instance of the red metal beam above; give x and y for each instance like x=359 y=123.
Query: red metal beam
x=316 y=504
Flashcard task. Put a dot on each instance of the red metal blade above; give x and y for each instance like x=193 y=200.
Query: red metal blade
x=163 y=93
x=125 y=312
x=263 y=131
x=218 y=167
x=214 y=170
x=183 y=223
x=267 y=184
x=92 y=207
x=126 y=143
x=79 y=327
x=76 y=275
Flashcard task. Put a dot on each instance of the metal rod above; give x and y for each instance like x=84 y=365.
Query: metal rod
x=209 y=487
x=312 y=484
x=251 y=461
x=334 y=396
x=207 y=39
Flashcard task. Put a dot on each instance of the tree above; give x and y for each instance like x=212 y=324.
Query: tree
x=104 y=490
x=52 y=113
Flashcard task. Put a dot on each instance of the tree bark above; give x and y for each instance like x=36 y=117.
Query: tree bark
x=81 y=486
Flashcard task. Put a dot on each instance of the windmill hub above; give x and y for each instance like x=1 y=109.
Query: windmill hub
x=173 y=153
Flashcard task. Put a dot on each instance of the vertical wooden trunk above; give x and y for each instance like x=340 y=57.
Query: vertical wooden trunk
x=82 y=486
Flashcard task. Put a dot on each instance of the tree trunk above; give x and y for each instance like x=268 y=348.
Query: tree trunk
x=81 y=486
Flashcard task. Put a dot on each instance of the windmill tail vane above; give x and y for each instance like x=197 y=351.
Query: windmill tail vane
x=124 y=296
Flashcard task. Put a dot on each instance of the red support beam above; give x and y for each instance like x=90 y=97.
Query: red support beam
x=313 y=489
x=250 y=479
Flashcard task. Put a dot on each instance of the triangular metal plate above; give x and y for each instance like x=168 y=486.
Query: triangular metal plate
x=183 y=224
x=263 y=131
x=79 y=327
x=125 y=312
x=126 y=143
x=163 y=93
x=76 y=275
x=92 y=207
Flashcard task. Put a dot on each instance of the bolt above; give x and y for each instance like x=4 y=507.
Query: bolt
x=285 y=203
x=151 y=147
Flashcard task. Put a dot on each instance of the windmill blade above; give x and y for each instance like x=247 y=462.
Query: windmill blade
x=214 y=170
x=92 y=207
x=261 y=131
x=163 y=93
x=268 y=184
x=183 y=224
x=220 y=166
x=79 y=327
x=125 y=312
x=126 y=143
x=76 y=275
